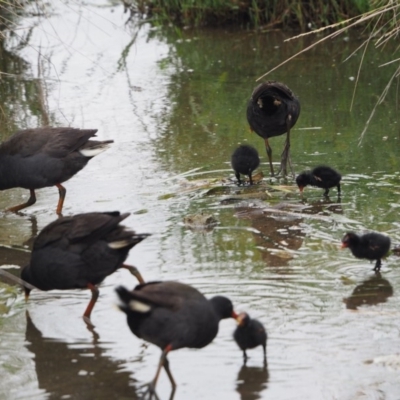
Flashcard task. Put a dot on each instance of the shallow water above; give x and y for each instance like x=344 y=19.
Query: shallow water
x=175 y=105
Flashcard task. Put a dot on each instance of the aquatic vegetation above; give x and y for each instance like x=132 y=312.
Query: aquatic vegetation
x=255 y=13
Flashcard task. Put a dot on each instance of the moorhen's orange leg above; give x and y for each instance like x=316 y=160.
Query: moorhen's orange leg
x=269 y=154
x=89 y=308
x=135 y=272
x=285 y=157
x=250 y=179
x=289 y=161
x=27 y=292
x=238 y=177
x=63 y=192
x=378 y=264
x=31 y=200
x=162 y=363
x=171 y=378
x=265 y=354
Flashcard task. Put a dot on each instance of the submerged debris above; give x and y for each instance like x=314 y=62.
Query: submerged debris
x=200 y=221
x=391 y=361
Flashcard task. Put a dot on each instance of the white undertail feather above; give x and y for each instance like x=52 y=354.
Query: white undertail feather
x=95 y=150
x=138 y=306
x=120 y=244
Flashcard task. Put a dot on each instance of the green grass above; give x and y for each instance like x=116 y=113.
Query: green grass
x=299 y=14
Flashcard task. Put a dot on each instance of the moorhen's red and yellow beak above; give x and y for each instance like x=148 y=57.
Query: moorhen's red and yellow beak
x=344 y=245
x=234 y=315
x=301 y=188
x=240 y=318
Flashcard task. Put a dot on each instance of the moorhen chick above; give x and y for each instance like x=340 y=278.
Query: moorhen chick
x=372 y=246
x=36 y=158
x=244 y=161
x=172 y=315
x=79 y=252
x=273 y=110
x=322 y=176
x=249 y=334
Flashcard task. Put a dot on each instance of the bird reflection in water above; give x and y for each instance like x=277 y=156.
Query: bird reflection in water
x=252 y=381
x=77 y=370
x=281 y=228
x=34 y=232
x=323 y=207
x=372 y=291
x=279 y=233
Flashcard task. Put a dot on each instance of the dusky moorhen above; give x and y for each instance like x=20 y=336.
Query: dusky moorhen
x=272 y=110
x=79 y=252
x=37 y=158
x=372 y=246
x=249 y=334
x=244 y=161
x=322 y=176
x=173 y=315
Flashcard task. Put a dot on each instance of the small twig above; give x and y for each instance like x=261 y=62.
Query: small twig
x=41 y=94
x=361 y=19
x=16 y=279
x=380 y=100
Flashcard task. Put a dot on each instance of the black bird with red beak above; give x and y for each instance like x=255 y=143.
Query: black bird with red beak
x=79 y=252
x=372 y=246
x=244 y=161
x=273 y=110
x=37 y=158
x=322 y=176
x=173 y=315
x=249 y=334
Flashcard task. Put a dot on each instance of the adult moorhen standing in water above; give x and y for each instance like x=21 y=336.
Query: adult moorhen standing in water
x=249 y=334
x=173 y=315
x=37 y=158
x=272 y=110
x=244 y=161
x=322 y=176
x=372 y=246
x=78 y=252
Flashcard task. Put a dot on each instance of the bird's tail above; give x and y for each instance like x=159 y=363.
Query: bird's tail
x=124 y=296
x=94 y=147
x=127 y=239
x=130 y=303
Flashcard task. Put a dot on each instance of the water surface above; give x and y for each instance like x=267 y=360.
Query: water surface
x=174 y=102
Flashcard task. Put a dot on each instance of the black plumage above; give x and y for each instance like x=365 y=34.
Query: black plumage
x=173 y=315
x=244 y=161
x=37 y=158
x=249 y=334
x=79 y=252
x=273 y=110
x=372 y=246
x=322 y=176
